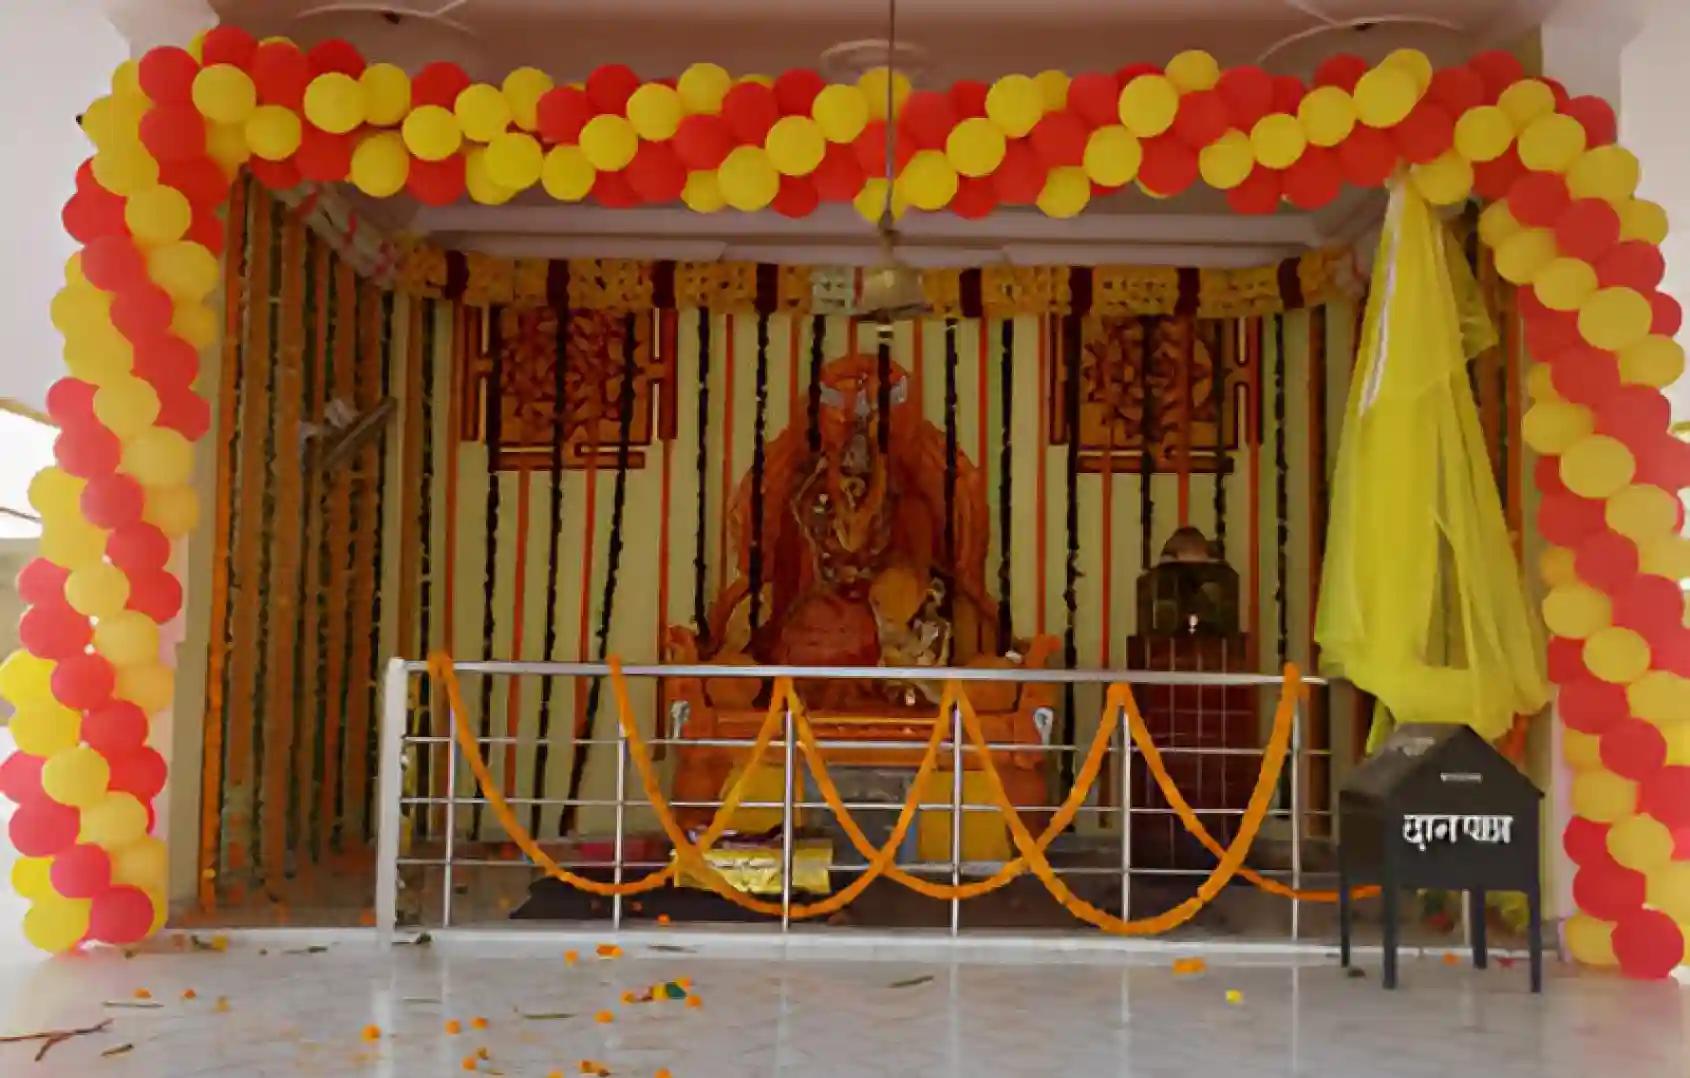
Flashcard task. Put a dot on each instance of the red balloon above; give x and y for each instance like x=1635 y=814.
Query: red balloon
x=1288 y=93
x=113 y=501
x=436 y=183
x=324 y=157
x=1551 y=334
x=796 y=198
x=1668 y=315
x=158 y=594
x=207 y=231
x=1565 y=519
x=796 y=90
x=40 y=581
x=173 y=132
x=1648 y=943
x=1591 y=706
x=1169 y=166
x=276 y=175
x=1368 y=156
x=927 y=118
x=337 y=56
x=1585 y=375
x=1248 y=92
x=167 y=75
x=1259 y=193
x=703 y=141
x=1493 y=179
x=1559 y=90
x=228 y=45
x=975 y=197
x=1651 y=605
x=1457 y=89
x=1665 y=795
x=92 y=214
x=1202 y=118
x=120 y=915
x=166 y=360
x=138 y=547
x=1565 y=659
x=968 y=98
x=1608 y=890
x=871 y=151
x=1133 y=70
x=70 y=402
x=1538 y=199
x=1633 y=264
x=1587 y=229
x=1586 y=841
x=185 y=412
x=1059 y=139
x=199 y=178
x=140 y=772
x=1342 y=70
x=82 y=871
x=1606 y=560
x=1314 y=179
x=1095 y=98
x=44 y=828
x=1633 y=749
x=1633 y=413
x=113 y=263
x=749 y=109
x=1662 y=461
x=1596 y=116
x=83 y=682
x=1020 y=176
x=87 y=450
x=54 y=631
x=656 y=173
x=1498 y=69
x=142 y=311
x=613 y=190
x=610 y=85
x=280 y=73
x=563 y=112
x=20 y=779
x=116 y=730
x=839 y=177
x=1425 y=133
x=439 y=83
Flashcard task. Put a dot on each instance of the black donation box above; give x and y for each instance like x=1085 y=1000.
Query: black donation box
x=1438 y=807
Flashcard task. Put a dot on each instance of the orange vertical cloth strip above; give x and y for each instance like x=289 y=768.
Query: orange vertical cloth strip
x=1253 y=342
x=725 y=556
x=1106 y=582
x=211 y=760
x=1187 y=358
x=366 y=571
x=1039 y=495
x=339 y=525
x=519 y=588
x=982 y=397
x=918 y=365
x=311 y=705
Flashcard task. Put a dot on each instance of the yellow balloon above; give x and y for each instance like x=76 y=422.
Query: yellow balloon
x=514 y=160
x=1551 y=143
x=1416 y=63
x=127 y=407
x=1113 y=156
x=840 y=111
x=1660 y=697
x=149 y=686
x=43 y=727
x=976 y=146
x=380 y=164
x=195 y=323
x=144 y=864
x=56 y=924
x=1605 y=172
x=76 y=777
x=126 y=79
x=1668 y=556
x=1556 y=566
x=1576 y=611
x=1386 y=95
x=184 y=269
x=870 y=202
x=97 y=590
x=1581 y=751
x=1053 y=89
x=1228 y=161
x=115 y=821
x=1678 y=743
x=335 y=103
x=1590 y=941
x=484 y=114
x=610 y=143
x=1597 y=466
x=1642 y=512
x=1328 y=115
x=1015 y=104
x=702 y=87
x=1669 y=890
x=748 y=180
x=54 y=492
x=928 y=181
x=1540 y=383
x=1552 y=426
x=224 y=94
x=26 y=680
x=127 y=638
x=1565 y=283
x=702 y=193
x=1193 y=70
x=1643 y=220
x=273 y=132
x=158 y=215
x=126 y=169
x=655 y=111
x=873 y=84
x=173 y=510
x=1653 y=361
x=1640 y=842
x=159 y=457
x=1615 y=318
x=432 y=133
x=566 y=174
x=1616 y=655
x=1147 y=105
x=227 y=145
x=30 y=876
x=79 y=305
x=1445 y=180
x=1603 y=796
x=1066 y=191
x=387 y=94
x=1278 y=140
x=1523 y=254
x=1525 y=101
x=1484 y=134
x=795 y=145
x=523 y=89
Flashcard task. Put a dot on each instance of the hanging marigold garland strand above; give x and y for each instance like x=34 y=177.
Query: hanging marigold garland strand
x=759 y=456
x=425 y=536
x=493 y=428
x=1217 y=379
x=700 y=618
x=1071 y=567
x=1148 y=434
x=1281 y=490
x=1006 y=483
x=949 y=605
x=560 y=434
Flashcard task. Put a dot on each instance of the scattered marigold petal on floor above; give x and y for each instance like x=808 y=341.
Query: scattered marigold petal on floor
x=372 y=1033
x=478 y=1022
x=453 y=1027
x=604 y=1018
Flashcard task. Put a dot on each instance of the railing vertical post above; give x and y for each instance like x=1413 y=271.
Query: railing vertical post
x=621 y=823
x=1126 y=763
x=1296 y=812
x=786 y=827
x=956 y=814
x=446 y=881
x=390 y=786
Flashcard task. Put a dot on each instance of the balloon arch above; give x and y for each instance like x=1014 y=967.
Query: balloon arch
x=179 y=124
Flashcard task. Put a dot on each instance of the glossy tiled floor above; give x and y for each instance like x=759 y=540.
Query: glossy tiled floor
x=829 y=1009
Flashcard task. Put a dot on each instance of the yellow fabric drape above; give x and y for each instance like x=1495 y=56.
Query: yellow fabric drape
x=1421 y=601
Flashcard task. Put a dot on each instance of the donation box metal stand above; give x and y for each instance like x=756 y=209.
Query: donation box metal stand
x=1437 y=806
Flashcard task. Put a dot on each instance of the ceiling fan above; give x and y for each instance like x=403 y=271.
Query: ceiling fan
x=393 y=12
x=1328 y=24
x=891 y=289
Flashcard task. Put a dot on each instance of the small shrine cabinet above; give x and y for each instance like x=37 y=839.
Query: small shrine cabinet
x=1437 y=806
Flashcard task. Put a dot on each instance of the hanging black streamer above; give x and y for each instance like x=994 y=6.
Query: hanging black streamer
x=883 y=395
x=1149 y=434
x=1006 y=480
x=703 y=444
x=1222 y=460
x=818 y=341
x=1071 y=580
x=586 y=725
x=425 y=511
x=949 y=605
x=560 y=371
x=371 y=744
x=758 y=460
x=493 y=427
x=1281 y=471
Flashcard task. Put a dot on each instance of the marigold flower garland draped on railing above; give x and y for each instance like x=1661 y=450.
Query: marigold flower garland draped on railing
x=1565 y=225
